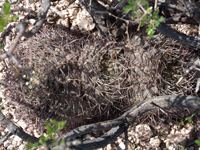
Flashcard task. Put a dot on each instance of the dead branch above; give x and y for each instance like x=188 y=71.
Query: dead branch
x=7 y=123
x=42 y=16
x=129 y=117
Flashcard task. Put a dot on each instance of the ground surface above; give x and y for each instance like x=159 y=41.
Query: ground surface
x=118 y=70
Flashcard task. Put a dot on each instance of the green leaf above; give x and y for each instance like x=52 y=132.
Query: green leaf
x=54 y=122
x=36 y=144
x=150 y=30
x=132 y=1
x=146 y=5
x=29 y=146
x=161 y=19
x=47 y=137
x=14 y=18
x=190 y=121
x=0 y=99
x=42 y=140
x=3 y=23
x=128 y=8
x=156 y=23
x=135 y=7
x=181 y=122
x=62 y=142
x=195 y=113
x=134 y=15
x=62 y=124
x=1 y=46
x=142 y=22
x=6 y=8
x=48 y=127
x=197 y=142
x=53 y=143
x=141 y=14
x=155 y=14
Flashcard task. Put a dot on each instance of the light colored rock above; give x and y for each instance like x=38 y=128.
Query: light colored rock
x=32 y=6
x=73 y=11
x=11 y=147
x=3 y=133
x=188 y=131
x=22 y=147
x=138 y=148
x=32 y=21
x=155 y=141
x=143 y=132
x=6 y=130
x=119 y=140
x=23 y=38
x=171 y=146
x=38 y=5
x=2 y=66
x=20 y=5
x=176 y=139
x=84 y=21
x=137 y=141
x=6 y=143
x=109 y=147
x=121 y=146
x=36 y=134
x=17 y=141
x=64 y=22
x=63 y=4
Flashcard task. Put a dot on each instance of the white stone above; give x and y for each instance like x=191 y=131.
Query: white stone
x=121 y=146
x=6 y=143
x=171 y=146
x=20 y=5
x=17 y=141
x=143 y=132
x=32 y=21
x=109 y=147
x=32 y=6
x=11 y=147
x=188 y=131
x=84 y=21
x=119 y=140
x=22 y=124
x=177 y=139
x=22 y=147
x=36 y=134
x=155 y=141
x=3 y=133
x=23 y=38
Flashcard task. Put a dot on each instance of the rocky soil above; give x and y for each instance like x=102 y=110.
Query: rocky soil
x=163 y=129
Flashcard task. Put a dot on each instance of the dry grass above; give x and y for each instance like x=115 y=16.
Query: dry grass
x=84 y=78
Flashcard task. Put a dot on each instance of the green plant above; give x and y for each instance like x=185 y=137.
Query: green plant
x=5 y=17
x=188 y=119
x=197 y=142
x=1 y=45
x=52 y=129
x=149 y=17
